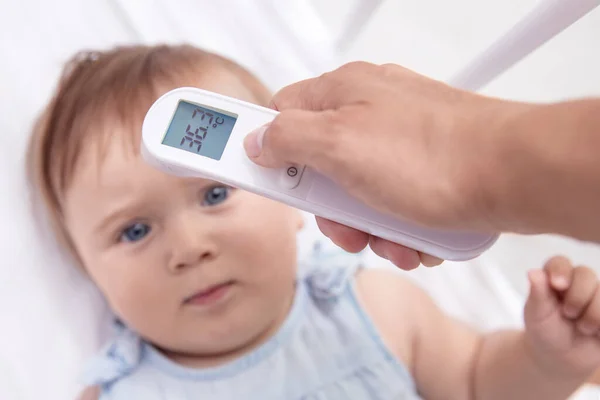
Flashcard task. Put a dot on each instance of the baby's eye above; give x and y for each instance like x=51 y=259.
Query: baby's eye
x=215 y=195
x=135 y=232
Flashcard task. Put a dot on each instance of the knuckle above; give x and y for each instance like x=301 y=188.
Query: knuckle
x=575 y=299
x=347 y=72
x=390 y=69
x=356 y=66
x=287 y=96
x=278 y=101
x=327 y=92
x=558 y=263
x=333 y=79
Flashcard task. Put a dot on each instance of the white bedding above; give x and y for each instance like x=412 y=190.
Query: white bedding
x=52 y=318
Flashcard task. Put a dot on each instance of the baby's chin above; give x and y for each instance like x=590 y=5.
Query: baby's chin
x=207 y=353
x=228 y=337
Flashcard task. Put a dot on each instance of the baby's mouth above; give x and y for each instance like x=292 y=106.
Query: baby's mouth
x=210 y=295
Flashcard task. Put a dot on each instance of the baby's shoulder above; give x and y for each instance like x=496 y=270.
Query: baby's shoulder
x=332 y=273
x=392 y=303
x=382 y=288
x=379 y=299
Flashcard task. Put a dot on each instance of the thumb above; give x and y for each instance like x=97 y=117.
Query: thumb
x=542 y=301
x=293 y=137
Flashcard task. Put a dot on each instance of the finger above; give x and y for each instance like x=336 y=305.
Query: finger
x=589 y=323
x=542 y=301
x=328 y=91
x=299 y=95
x=294 y=137
x=315 y=94
x=580 y=293
x=559 y=270
x=377 y=247
x=402 y=257
x=429 y=260
x=347 y=238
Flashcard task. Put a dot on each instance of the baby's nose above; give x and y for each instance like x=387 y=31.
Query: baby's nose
x=191 y=246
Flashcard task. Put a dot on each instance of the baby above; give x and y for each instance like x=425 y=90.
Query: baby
x=204 y=281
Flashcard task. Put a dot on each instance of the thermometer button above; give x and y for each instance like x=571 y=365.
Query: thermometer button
x=291 y=176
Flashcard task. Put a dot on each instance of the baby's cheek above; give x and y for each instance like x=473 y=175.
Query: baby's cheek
x=262 y=234
x=276 y=259
x=130 y=299
x=269 y=234
x=122 y=301
x=144 y=316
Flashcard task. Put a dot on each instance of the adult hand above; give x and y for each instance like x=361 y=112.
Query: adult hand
x=381 y=130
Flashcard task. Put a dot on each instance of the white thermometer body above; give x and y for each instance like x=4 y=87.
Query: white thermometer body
x=195 y=133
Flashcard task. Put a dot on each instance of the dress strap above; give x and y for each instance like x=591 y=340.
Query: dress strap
x=330 y=270
x=118 y=358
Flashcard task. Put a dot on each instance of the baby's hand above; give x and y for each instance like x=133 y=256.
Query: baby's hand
x=562 y=318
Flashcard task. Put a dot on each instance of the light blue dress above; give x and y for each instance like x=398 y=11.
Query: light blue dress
x=327 y=349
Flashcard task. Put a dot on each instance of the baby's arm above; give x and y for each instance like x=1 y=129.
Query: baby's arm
x=450 y=360
x=439 y=352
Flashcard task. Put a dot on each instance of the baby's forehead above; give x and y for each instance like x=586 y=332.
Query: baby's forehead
x=127 y=126
x=114 y=171
x=107 y=154
x=113 y=144
x=224 y=81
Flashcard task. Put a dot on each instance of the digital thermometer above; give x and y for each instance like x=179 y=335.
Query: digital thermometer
x=192 y=132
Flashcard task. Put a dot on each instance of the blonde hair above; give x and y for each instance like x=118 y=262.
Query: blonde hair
x=101 y=88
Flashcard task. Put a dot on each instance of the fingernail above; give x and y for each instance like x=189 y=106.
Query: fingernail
x=570 y=312
x=560 y=282
x=254 y=141
x=586 y=329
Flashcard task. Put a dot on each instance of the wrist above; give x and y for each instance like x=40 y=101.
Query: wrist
x=549 y=364
x=535 y=162
x=494 y=157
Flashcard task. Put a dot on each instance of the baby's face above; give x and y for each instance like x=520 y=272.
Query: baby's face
x=193 y=266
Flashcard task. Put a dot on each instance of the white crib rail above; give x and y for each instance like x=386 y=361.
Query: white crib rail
x=546 y=20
